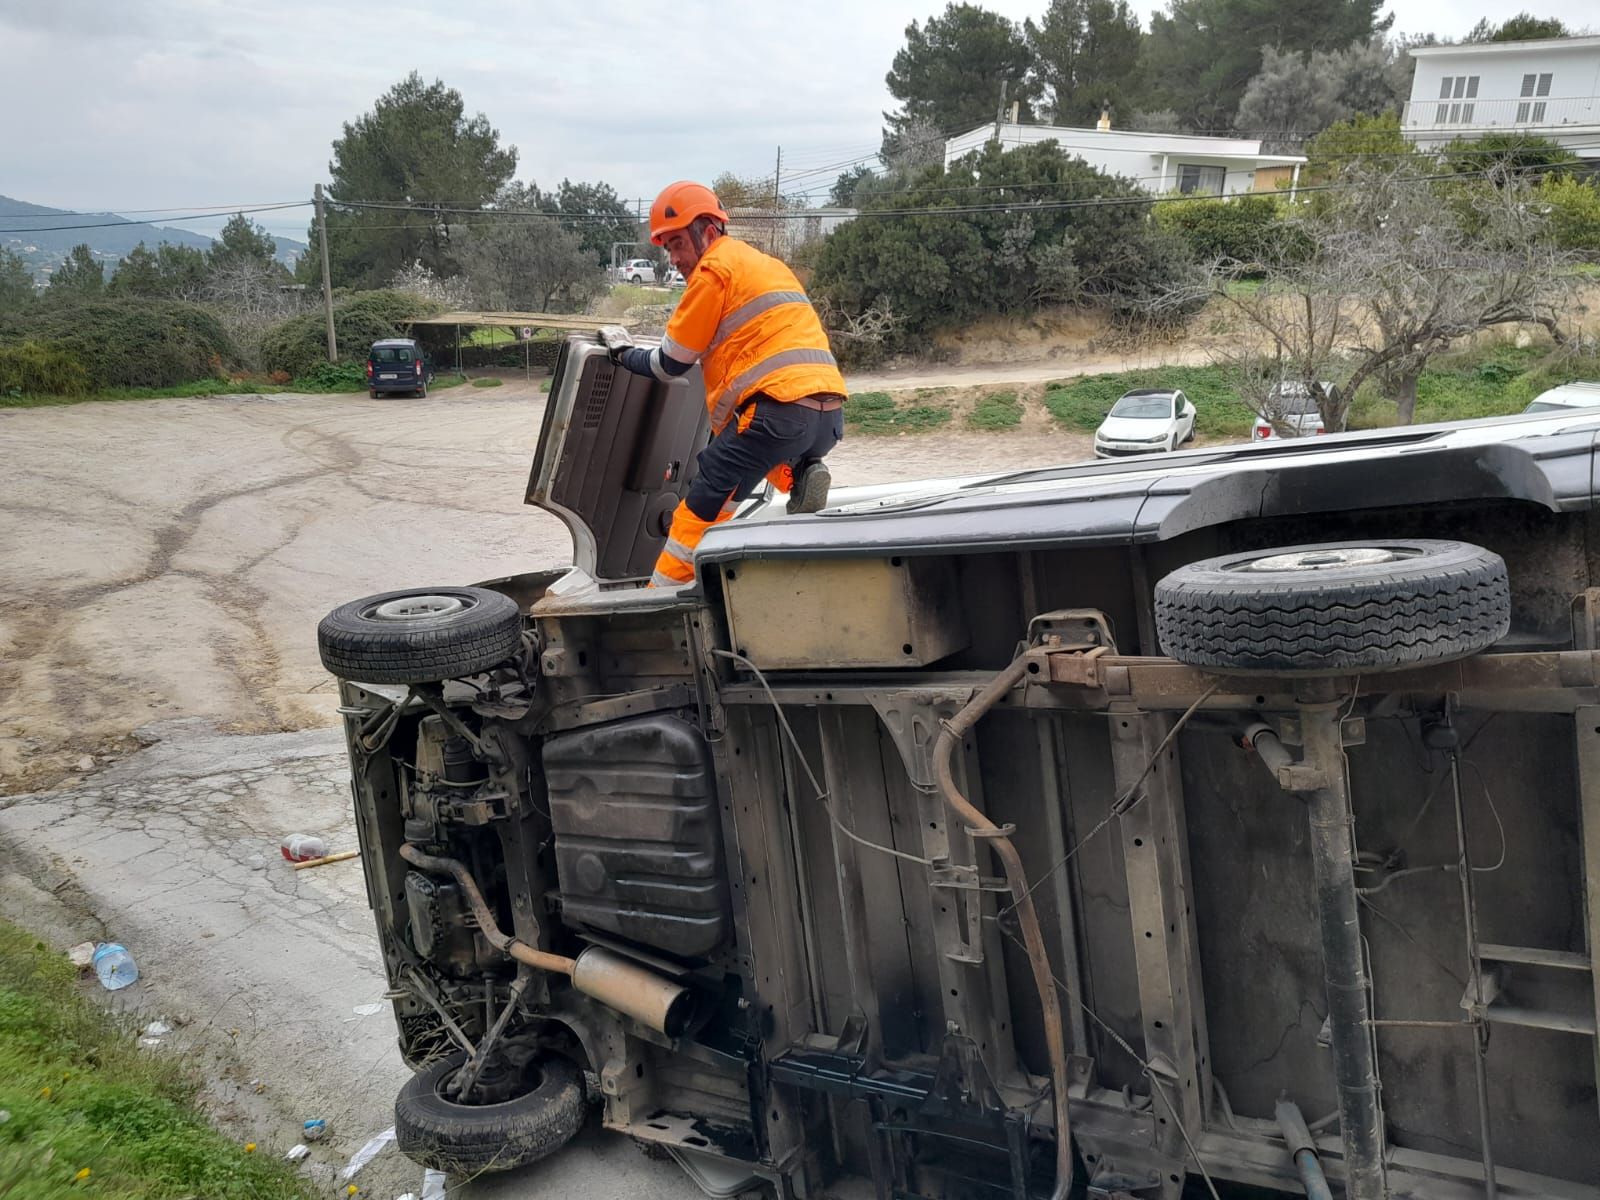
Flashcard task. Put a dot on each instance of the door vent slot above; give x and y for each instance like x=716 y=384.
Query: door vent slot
x=594 y=404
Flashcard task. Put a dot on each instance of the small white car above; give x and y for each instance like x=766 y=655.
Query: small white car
x=637 y=270
x=1146 y=421
x=1296 y=413
x=1566 y=398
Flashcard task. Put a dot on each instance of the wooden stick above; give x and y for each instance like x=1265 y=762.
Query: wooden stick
x=326 y=858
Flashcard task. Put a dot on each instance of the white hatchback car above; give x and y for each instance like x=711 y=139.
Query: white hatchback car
x=637 y=270
x=1146 y=421
x=1566 y=398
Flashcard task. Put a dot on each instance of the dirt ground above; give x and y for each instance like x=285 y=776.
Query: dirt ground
x=171 y=558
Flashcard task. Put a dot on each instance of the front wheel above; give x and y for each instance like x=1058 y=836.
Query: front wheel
x=1344 y=606
x=544 y=1114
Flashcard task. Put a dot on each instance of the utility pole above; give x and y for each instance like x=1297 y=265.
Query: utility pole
x=327 y=286
x=777 y=199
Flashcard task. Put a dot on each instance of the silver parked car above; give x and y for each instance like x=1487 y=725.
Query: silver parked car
x=1290 y=411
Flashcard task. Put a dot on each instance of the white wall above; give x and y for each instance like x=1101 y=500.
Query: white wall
x=1133 y=155
x=1572 y=107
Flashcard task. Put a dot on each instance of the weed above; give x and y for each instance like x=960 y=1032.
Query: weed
x=1000 y=410
x=486 y=381
x=91 y=1111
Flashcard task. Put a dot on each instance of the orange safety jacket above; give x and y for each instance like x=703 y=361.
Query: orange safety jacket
x=745 y=318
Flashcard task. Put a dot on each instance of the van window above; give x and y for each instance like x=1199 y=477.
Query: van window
x=392 y=354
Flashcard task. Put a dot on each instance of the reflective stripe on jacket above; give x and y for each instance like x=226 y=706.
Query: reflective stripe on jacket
x=748 y=321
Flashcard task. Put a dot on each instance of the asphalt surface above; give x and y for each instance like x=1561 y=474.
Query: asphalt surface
x=164 y=719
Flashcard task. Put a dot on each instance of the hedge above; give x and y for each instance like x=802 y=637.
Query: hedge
x=128 y=343
x=1240 y=228
x=359 y=319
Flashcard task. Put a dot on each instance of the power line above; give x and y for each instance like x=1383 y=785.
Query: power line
x=188 y=217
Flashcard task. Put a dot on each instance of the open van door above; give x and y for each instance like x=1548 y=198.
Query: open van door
x=616 y=454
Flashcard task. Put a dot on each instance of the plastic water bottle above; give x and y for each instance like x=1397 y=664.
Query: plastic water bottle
x=115 y=966
x=303 y=847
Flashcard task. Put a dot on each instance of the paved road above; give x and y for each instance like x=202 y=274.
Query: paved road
x=163 y=565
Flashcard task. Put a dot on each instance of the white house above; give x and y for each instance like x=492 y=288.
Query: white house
x=1157 y=162
x=1549 y=88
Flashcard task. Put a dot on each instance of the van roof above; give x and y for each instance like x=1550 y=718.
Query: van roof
x=395 y=342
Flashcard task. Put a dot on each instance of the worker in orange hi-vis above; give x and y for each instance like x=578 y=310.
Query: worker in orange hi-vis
x=772 y=385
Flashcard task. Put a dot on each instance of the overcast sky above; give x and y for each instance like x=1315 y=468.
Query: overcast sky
x=126 y=105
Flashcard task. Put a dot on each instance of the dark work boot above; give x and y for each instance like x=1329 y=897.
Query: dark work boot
x=810 y=491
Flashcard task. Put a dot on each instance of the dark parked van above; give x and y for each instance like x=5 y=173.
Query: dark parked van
x=398 y=365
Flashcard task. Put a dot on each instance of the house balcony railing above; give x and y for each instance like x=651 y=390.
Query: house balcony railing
x=1535 y=114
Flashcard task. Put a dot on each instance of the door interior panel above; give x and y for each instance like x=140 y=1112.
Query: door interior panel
x=625 y=447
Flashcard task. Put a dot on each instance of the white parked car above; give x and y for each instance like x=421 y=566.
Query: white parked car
x=1146 y=421
x=637 y=270
x=1291 y=412
x=1566 y=398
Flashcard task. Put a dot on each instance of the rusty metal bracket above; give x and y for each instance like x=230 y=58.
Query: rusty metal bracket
x=1072 y=629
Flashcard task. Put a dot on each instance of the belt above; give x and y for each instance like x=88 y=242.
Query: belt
x=824 y=402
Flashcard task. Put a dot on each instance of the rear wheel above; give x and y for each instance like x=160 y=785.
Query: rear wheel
x=1338 y=607
x=423 y=391
x=545 y=1110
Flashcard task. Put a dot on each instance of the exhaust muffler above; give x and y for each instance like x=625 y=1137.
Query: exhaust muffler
x=601 y=974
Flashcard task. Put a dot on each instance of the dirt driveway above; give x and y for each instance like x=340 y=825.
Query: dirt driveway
x=170 y=558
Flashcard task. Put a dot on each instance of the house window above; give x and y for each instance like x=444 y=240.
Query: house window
x=1533 y=110
x=1197 y=180
x=1455 y=89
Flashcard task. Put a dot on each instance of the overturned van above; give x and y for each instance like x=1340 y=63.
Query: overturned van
x=1233 y=816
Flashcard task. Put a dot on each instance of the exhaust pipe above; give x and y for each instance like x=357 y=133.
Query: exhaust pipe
x=601 y=974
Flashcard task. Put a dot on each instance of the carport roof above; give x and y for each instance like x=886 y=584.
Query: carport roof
x=513 y=320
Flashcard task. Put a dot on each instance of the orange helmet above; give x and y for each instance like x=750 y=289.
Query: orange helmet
x=679 y=204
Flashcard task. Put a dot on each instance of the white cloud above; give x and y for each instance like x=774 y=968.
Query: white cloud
x=140 y=103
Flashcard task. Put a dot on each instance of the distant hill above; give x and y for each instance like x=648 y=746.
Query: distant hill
x=45 y=249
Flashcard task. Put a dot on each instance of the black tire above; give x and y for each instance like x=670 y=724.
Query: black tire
x=374 y=393
x=1366 y=606
x=422 y=392
x=420 y=635
x=467 y=1138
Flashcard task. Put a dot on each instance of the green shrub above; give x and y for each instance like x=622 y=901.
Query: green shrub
x=359 y=319
x=1574 y=211
x=130 y=343
x=486 y=381
x=1240 y=229
x=935 y=269
x=332 y=377
x=1000 y=410
x=41 y=368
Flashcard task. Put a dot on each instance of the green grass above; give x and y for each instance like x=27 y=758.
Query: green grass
x=486 y=382
x=1000 y=410
x=1082 y=403
x=877 y=413
x=1489 y=381
x=93 y=1114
